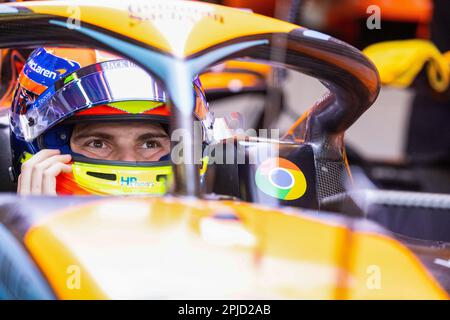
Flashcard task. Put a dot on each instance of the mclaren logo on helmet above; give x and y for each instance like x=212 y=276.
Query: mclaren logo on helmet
x=45 y=72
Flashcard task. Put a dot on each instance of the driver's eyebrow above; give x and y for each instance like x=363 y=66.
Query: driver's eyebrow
x=94 y=134
x=106 y=136
x=150 y=135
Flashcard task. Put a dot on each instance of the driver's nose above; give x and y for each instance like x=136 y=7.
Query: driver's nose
x=128 y=155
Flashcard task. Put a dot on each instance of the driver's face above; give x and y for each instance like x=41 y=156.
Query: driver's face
x=131 y=141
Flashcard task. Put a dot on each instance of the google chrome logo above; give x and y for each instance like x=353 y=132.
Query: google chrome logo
x=280 y=178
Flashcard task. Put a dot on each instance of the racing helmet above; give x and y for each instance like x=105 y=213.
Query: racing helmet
x=59 y=88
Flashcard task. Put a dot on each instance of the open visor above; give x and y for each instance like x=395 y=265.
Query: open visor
x=102 y=83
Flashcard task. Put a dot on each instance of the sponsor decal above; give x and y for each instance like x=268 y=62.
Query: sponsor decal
x=45 y=68
x=33 y=65
x=184 y=12
x=118 y=64
x=134 y=182
x=281 y=179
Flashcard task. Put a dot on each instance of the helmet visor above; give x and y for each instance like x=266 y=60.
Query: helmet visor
x=102 y=83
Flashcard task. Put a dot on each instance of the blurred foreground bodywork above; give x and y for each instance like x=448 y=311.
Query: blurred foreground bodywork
x=183 y=246
x=171 y=248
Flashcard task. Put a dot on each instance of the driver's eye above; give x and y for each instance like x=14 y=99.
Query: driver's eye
x=152 y=144
x=98 y=144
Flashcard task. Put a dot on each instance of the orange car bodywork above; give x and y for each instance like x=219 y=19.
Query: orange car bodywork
x=188 y=249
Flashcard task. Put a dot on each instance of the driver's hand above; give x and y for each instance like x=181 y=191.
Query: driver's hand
x=38 y=174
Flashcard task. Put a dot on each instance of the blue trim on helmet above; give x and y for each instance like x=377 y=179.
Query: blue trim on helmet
x=45 y=68
x=165 y=158
x=58 y=137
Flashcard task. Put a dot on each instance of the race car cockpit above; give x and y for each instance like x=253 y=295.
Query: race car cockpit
x=233 y=195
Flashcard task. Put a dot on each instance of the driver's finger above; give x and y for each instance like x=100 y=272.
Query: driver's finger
x=19 y=182
x=24 y=186
x=39 y=169
x=49 y=177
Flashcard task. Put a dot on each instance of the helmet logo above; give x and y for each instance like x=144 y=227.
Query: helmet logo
x=128 y=181
x=44 y=68
x=61 y=71
x=134 y=182
x=41 y=70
